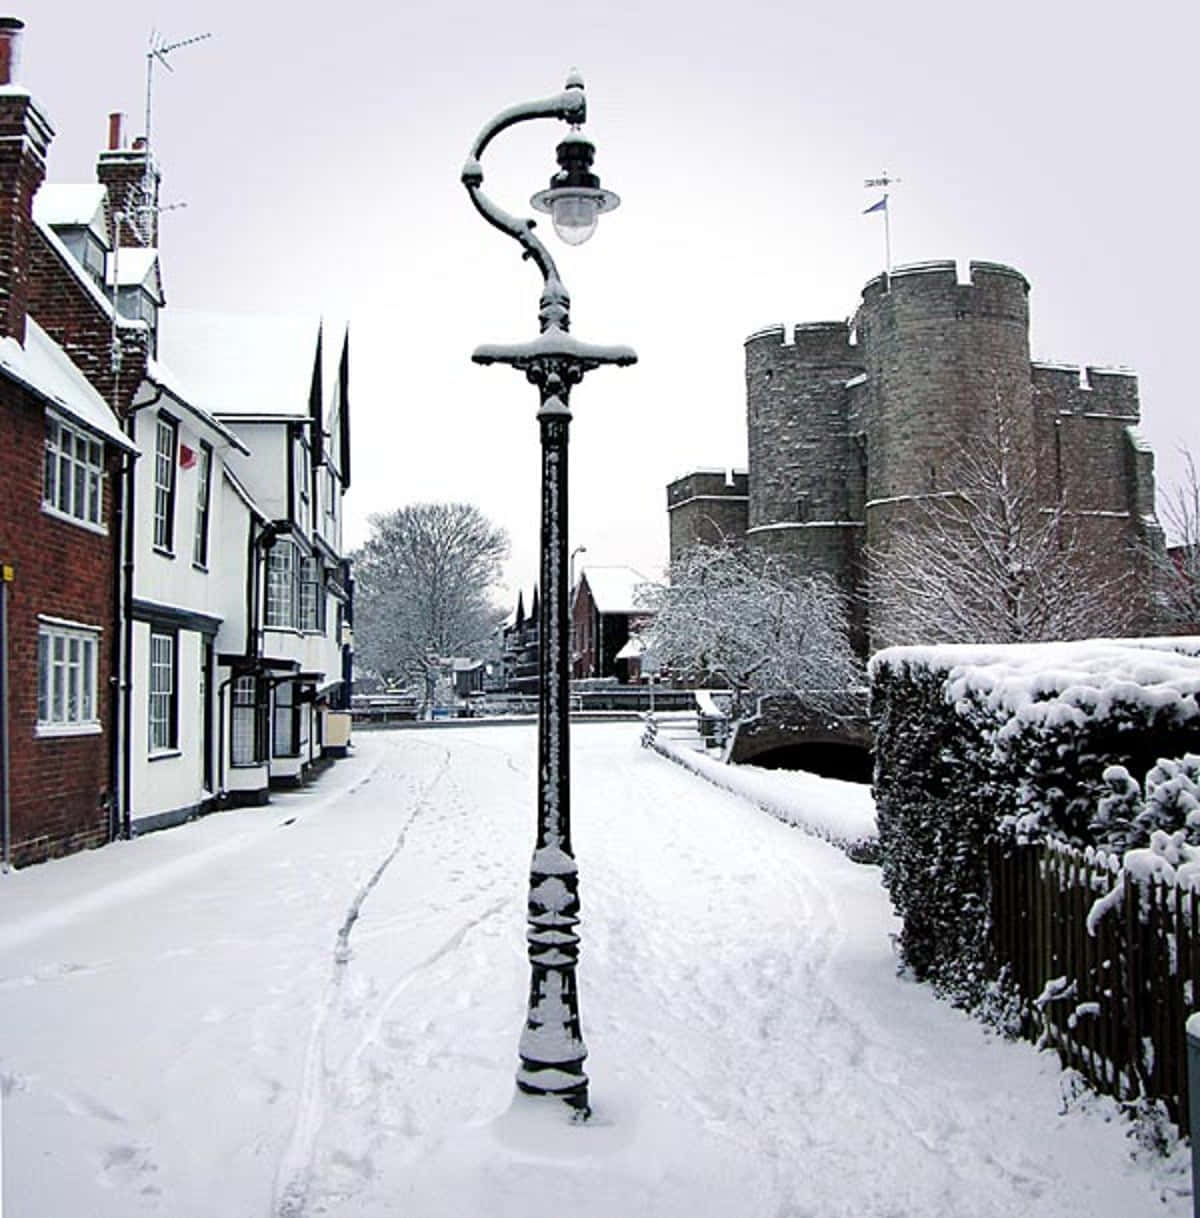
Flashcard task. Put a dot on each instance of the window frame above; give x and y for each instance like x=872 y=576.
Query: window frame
x=285 y=719
x=246 y=701
x=162 y=705
x=281 y=602
x=165 y=488
x=312 y=594
x=73 y=473
x=82 y=673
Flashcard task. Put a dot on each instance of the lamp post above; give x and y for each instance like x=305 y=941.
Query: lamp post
x=552 y=1050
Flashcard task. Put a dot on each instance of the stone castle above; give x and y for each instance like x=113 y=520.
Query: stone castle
x=852 y=424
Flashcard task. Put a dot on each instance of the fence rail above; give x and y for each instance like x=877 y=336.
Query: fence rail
x=1110 y=987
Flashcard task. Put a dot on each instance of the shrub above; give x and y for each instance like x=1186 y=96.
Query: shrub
x=975 y=744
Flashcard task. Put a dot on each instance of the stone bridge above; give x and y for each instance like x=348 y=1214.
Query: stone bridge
x=788 y=734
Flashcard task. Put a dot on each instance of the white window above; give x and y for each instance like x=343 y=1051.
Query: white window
x=163 y=691
x=165 y=436
x=67 y=664
x=247 y=720
x=281 y=585
x=73 y=473
x=312 y=595
x=303 y=481
x=203 y=493
x=286 y=735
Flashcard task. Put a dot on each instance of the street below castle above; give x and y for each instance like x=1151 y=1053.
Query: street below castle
x=312 y=1008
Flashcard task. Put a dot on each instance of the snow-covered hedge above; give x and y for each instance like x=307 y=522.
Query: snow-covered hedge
x=973 y=742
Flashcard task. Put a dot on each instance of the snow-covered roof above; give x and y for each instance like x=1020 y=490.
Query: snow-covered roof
x=136 y=267
x=43 y=367
x=240 y=490
x=248 y=365
x=71 y=205
x=614 y=589
x=159 y=374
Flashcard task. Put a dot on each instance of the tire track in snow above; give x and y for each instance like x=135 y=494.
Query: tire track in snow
x=295 y=1168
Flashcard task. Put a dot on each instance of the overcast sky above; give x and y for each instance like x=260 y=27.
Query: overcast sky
x=318 y=150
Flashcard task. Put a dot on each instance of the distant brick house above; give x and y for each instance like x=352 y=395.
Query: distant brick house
x=606 y=609
x=519 y=649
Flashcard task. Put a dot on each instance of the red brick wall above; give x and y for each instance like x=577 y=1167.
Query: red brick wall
x=23 y=141
x=59 y=786
x=75 y=319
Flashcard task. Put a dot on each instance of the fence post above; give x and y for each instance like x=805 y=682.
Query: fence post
x=1193 y=1068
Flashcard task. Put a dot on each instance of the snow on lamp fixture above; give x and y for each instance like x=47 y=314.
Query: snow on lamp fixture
x=574 y=199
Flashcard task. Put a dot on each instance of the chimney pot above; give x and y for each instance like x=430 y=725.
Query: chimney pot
x=10 y=48
x=116 y=131
x=139 y=143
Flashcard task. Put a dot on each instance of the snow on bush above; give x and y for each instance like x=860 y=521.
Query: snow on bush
x=976 y=744
x=842 y=813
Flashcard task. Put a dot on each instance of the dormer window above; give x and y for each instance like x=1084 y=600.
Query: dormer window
x=87 y=249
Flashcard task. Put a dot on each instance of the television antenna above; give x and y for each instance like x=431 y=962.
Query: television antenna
x=158 y=52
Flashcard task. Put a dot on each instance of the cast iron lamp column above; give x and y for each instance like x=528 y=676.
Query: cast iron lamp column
x=552 y=1049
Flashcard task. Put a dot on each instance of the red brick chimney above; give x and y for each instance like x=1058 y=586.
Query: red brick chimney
x=123 y=172
x=25 y=135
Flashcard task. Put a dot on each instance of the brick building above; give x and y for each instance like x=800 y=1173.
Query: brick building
x=852 y=424
x=176 y=629
x=60 y=516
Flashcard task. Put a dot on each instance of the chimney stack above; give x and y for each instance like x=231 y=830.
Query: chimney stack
x=25 y=136
x=10 y=49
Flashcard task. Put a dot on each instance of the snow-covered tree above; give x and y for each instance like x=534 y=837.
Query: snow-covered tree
x=991 y=562
x=422 y=590
x=1177 y=568
x=740 y=617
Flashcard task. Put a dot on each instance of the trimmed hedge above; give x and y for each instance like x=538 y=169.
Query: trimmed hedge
x=976 y=744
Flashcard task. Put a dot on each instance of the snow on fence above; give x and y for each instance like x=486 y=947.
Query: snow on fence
x=1106 y=964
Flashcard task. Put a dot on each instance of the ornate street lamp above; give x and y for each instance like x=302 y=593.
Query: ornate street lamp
x=552 y=1050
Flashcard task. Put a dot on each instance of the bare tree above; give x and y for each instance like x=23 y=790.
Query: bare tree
x=990 y=562
x=422 y=590
x=1176 y=568
x=740 y=617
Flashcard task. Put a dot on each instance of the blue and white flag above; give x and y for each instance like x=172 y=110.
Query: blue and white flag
x=880 y=206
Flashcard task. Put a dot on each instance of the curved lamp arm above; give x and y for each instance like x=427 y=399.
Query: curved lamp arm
x=570 y=106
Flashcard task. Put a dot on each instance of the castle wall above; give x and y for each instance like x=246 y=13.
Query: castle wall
x=708 y=507
x=850 y=428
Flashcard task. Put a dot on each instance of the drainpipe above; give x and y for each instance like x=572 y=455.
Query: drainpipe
x=124 y=614
x=222 y=794
x=6 y=576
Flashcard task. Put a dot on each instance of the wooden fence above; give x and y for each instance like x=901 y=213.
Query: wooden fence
x=1110 y=991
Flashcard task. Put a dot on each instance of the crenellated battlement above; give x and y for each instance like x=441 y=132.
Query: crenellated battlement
x=933 y=288
x=815 y=343
x=707 y=484
x=1086 y=389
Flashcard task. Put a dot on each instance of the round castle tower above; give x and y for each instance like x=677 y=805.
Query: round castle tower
x=805 y=468
x=944 y=360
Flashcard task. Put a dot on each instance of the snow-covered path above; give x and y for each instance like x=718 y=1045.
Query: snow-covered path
x=313 y=1008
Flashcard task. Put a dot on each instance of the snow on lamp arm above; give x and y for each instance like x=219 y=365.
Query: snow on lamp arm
x=552 y=1050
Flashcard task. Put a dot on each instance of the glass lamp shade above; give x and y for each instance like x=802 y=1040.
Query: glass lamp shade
x=574 y=217
x=575 y=210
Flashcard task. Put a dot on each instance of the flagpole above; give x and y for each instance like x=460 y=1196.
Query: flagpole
x=874 y=184
x=887 y=236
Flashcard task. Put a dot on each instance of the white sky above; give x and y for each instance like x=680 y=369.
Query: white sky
x=318 y=149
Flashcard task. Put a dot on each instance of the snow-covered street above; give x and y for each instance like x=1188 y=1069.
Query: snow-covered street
x=312 y=1008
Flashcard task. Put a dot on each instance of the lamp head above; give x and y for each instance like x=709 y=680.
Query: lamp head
x=574 y=198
